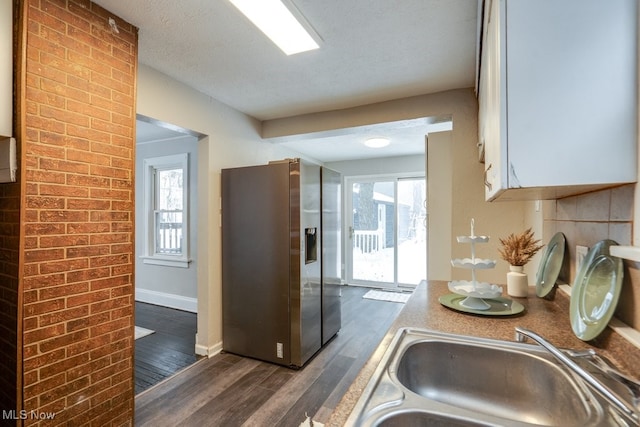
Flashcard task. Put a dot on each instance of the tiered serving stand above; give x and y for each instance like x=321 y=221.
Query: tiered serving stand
x=474 y=291
x=473 y=297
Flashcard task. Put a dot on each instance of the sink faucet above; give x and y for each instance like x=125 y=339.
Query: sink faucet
x=605 y=392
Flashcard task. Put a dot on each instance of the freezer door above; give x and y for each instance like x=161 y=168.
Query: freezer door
x=331 y=253
x=256 y=262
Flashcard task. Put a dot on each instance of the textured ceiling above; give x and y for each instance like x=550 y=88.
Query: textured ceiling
x=371 y=51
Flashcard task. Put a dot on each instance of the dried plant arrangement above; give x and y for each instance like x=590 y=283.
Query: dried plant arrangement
x=519 y=249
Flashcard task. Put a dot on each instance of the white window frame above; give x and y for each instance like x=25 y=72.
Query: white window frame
x=151 y=165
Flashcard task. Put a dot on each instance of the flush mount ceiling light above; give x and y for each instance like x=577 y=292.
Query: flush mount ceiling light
x=281 y=22
x=376 y=142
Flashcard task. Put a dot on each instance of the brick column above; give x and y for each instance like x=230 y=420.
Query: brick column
x=77 y=221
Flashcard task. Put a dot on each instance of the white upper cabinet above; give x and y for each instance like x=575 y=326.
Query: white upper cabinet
x=6 y=68
x=558 y=97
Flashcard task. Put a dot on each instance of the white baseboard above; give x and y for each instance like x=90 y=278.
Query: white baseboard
x=211 y=351
x=167 y=300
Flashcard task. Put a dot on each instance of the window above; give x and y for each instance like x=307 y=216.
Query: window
x=166 y=189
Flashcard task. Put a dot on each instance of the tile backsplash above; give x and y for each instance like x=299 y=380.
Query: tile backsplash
x=589 y=218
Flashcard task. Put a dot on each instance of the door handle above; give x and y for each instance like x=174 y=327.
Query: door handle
x=486 y=180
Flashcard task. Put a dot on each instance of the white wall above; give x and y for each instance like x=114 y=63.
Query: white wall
x=497 y=219
x=171 y=286
x=446 y=162
x=382 y=166
x=6 y=68
x=439 y=204
x=233 y=139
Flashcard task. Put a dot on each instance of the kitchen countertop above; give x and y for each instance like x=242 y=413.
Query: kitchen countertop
x=549 y=318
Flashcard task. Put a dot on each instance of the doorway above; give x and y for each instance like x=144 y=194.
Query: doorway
x=387 y=231
x=166 y=269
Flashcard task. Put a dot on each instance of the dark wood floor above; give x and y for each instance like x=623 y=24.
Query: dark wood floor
x=169 y=350
x=228 y=390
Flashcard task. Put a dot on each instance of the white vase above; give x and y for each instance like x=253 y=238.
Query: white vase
x=517 y=281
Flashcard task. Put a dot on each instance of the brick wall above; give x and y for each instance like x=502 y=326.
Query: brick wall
x=9 y=250
x=78 y=159
x=9 y=281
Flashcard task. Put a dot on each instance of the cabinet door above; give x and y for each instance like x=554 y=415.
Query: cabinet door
x=482 y=84
x=571 y=85
x=560 y=97
x=494 y=125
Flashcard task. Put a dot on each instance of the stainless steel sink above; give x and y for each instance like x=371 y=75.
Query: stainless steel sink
x=431 y=378
x=494 y=381
x=421 y=419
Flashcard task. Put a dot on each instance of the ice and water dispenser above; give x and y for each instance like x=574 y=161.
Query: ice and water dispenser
x=310 y=245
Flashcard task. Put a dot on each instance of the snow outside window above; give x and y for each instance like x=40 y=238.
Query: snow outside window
x=166 y=189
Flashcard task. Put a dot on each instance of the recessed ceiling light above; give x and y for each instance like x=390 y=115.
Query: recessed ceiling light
x=285 y=26
x=377 y=142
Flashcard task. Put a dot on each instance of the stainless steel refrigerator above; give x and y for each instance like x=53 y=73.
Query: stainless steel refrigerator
x=272 y=261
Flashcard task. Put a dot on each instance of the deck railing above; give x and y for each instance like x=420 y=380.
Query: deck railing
x=169 y=238
x=368 y=240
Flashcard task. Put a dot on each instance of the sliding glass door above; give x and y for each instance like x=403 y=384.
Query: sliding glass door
x=387 y=231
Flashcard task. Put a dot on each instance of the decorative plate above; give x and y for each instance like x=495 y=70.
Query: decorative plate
x=595 y=291
x=498 y=306
x=550 y=265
